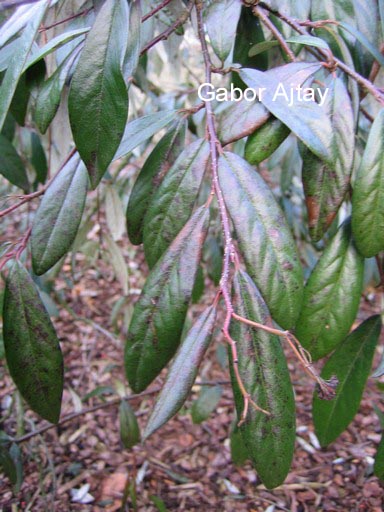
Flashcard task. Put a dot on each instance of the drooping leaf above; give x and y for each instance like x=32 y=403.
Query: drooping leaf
x=142 y=129
x=31 y=346
x=98 y=97
x=114 y=213
x=19 y=19
x=368 y=194
x=206 y=403
x=264 y=141
x=351 y=363
x=11 y=165
x=221 y=21
x=15 y=67
x=58 y=217
x=264 y=238
x=182 y=373
x=331 y=296
x=173 y=201
x=132 y=54
x=263 y=369
x=325 y=185
x=155 y=167
x=378 y=468
x=159 y=314
x=129 y=427
x=364 y=41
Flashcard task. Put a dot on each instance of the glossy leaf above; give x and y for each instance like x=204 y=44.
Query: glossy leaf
x=11 y=165
x=264 y=238
x=158 y=318
x=173 y=201
x=142 y=129
x=155 y=167
x=206 y=403
x=182 y=372
x=264 y=141
x=368 y=194
x=31 y=346
x=351 y=363
x=98 y=97
x=58 y=217
x=325 y=185
x=331 y=296
x=15 y=67
x=221 y=21
x=129 y=427
x=269 y=439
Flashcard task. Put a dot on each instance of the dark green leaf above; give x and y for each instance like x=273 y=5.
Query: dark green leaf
x=129 y=428
x=173 y=201
x=31 y=346
x=157 y=164
x=213 y=256
x=38 y=159
x=15 y=453
x=264 y=238
x=199 y=287
x=158 y=318
x=206 y=403
x=19 y=104
x=263 y=369
x=351 y=363
x=325 y=185
x=98 y=98
x=239 y=452
x=15 y=67
x=262 y=47
x=331 y=296
x=182 y=373
x=9 y=127
x=7 y=464
x=264 y=141
x=58 y=217
x=221 y=21
x=368 y=194
x=11 y=165
x=378 y=468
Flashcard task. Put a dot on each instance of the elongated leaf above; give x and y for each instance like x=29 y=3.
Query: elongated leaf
x=368 y=194
x=317 y=42
x=264 y=141
x=364 y=41
x=157 y=164
x=142 y=129
x=221 y=21
x=304 y=118
x=31 y=346
x=206 y=403
x=331 y=296
x=262 y=47
x=182 y=373
x=132 y=54
x=241 y=119
x=19 y=19
x=11 y=165
x=173 y=201
x=352 y=363
x=58 y=217
x=264 y=238
x=7 y=465
x=15 y=68
x=114 y=213
x=98 y=98
x=269 y=439
x=378 y=468
x=118 y=263
x=326 y=185
x=129 y=428
x=158 y=318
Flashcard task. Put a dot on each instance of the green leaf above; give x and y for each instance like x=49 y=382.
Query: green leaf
x=31 y=346
x=15 y=67
x=11 y=165
x=58 y=216
x=264 y=141
x=114 y=213
x=263 y=369
x=98 y=97
x=307 y=40
x=364 y=41
x=368 y=194
x=351 y=363
x=182 y=372
x=157 y=164
x=241 y=119
x=142 y=129
x=264 y=238
x=132 y=55
x=221 y=21
x=7 y=464
x=173 y=201
x=331 y=296
x=159 y=315
x=239 y=452
x=306 y=119
x=38 y=159
x=129 y=428
x=199 y=286
x=325 y=185
x=262 y=47
x=378 y=468
x=206 y=403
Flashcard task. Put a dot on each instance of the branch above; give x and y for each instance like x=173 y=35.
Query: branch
x=155 y=10
x=267 y=22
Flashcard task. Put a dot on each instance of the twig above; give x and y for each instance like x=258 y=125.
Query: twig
x=164 y=35
x=74 y=16
x=155 y=10
x=267 y=22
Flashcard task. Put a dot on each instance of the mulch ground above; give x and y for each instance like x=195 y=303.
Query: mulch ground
x=187 y=466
